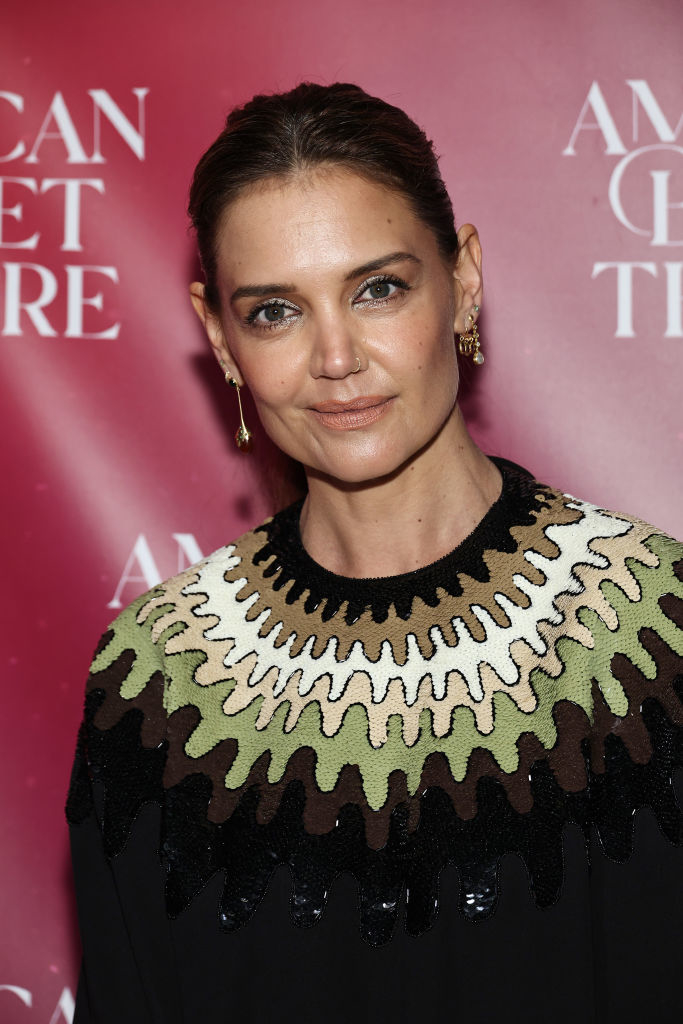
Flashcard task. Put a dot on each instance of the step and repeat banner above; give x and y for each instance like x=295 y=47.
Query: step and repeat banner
x=560 y=132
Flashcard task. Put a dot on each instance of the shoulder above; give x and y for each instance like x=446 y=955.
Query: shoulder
x=575 y=531
x=620 y=535
x=600 y=575
x=141 y=635
x=617 y=588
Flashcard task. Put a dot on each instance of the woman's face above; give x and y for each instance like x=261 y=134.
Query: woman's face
x=320 y=275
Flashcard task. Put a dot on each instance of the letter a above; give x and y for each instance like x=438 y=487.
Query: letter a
x=604 y=123
x=65 y=1008
x=141 y=554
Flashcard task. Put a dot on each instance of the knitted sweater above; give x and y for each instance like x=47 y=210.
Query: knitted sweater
x=522 y=695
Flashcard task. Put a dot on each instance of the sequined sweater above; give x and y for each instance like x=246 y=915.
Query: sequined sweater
x=302 y=796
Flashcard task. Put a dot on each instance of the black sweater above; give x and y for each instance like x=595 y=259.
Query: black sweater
x=299 y=796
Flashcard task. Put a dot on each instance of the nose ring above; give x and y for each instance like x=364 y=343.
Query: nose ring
x=357 y=367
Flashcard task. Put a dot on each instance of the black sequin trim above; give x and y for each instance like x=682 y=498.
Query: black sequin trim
x=129 y=774
x=194 y=849
x=290 y=564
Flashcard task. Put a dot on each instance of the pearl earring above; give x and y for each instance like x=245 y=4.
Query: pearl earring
x=469 y=344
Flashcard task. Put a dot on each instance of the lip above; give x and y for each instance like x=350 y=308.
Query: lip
x=362 y=402
x=352 y=414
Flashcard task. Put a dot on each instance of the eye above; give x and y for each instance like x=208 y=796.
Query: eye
x=380 y=289
x=271 y=314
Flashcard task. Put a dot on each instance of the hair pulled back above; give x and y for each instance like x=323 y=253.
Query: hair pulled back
x=311 y=125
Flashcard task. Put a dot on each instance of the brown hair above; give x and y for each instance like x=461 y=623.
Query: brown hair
x=279 y=135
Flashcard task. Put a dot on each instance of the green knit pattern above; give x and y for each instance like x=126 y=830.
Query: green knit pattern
x=581 y=665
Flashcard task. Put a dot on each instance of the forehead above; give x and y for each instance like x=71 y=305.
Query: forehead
x=327 y=218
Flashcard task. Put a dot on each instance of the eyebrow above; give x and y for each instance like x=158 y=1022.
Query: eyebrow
x=259 y=291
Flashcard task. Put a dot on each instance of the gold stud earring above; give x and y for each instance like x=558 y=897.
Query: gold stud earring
x=469 y=344
x=242 y=434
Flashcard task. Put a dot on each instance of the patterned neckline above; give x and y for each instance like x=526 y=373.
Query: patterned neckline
x=519 y=502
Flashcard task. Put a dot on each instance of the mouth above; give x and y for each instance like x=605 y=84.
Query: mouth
x=351 y=415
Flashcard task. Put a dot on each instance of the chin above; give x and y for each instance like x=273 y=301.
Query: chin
x=359 y=468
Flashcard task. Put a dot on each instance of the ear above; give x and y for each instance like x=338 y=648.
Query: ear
x=469 y=284
x=214 y=331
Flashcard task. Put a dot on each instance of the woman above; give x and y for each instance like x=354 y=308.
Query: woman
x=350 y=718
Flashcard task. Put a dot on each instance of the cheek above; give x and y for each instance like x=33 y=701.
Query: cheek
x=437 y=361
x=274 y=420
x=426 y=341
x=269 y=377
x=274 y=394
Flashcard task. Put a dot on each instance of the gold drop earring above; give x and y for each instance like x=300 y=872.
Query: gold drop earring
x=469 y=344
x=242 y=434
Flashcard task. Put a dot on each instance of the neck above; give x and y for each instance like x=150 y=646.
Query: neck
x=405 y=521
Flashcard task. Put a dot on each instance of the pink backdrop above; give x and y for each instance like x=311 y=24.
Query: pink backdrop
x=559 y=129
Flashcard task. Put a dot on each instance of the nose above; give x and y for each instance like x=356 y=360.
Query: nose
x=336 y=347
